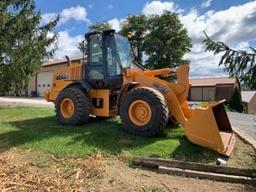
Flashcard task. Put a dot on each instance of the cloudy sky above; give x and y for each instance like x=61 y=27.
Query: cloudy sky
x=231 y=21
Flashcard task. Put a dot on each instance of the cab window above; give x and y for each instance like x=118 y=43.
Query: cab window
x=96 y=51
x=96 y=68
x=113 y=61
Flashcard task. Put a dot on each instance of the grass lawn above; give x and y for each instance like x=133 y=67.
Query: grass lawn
x=36 y=128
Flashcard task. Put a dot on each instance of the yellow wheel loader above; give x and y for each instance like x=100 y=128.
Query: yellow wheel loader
x=109 y=84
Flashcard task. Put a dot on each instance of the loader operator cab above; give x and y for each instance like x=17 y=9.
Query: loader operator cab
x=108 y=54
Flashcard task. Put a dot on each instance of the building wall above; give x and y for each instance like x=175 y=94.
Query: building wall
x=202 y=93
x=252 y=105
x=196 y=94
x=58 y=66
x=53 y=67
x=224 y=92
x=32 y=86
x=245 y=107
x=48 y=71
x=212 y=93
x=208 y=93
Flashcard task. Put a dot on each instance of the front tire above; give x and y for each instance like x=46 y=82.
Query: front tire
x=144 y=111
x=72 y=107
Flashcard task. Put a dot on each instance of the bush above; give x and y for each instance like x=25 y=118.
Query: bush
x=235 y=102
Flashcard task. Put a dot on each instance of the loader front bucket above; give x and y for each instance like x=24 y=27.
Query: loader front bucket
x=210 y=127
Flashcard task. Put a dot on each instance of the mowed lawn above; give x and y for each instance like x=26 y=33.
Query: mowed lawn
x=36 y=128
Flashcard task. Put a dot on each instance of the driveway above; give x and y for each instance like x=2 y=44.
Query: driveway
x=24 y=101
x=245 y=122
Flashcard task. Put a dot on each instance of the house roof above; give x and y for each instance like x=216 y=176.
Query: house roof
x=212 y=81
x=247 y=96
x=61 y=61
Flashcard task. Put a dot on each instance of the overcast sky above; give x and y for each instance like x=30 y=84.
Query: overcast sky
x=231 y=21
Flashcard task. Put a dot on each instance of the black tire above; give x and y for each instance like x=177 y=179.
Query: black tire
x=82 y=106
x=172 y=123
x=159 y=109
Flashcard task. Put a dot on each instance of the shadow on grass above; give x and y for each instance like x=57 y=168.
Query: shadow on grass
x=104 y=135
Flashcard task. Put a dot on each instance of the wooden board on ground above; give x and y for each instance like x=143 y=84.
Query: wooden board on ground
x=207 y=175
x=190 y=169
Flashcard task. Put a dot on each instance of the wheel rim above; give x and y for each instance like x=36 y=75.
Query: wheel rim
x=140 y=112
x=67 y=108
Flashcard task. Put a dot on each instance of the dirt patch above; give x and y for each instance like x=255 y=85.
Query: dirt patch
x=243 y=156
x=34 y=171
x=118 y=177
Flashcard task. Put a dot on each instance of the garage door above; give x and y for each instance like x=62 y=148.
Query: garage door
x=196 y=94
x=208 y=93
x=44 y=82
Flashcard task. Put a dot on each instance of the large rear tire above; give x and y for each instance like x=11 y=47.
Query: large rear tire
x=144 y=111
x=72 y=107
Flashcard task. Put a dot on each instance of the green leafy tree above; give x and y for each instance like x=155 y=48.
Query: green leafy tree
x=137 y=25
x=167 y=41
x=100 y=26
x=82 y=47
x=235 y=102
x=238 y=63
x=161 y=38
x=24 y=44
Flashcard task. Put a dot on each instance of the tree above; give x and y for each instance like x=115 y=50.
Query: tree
x=167 y=41
x=238 y=63
x=82 y=47
x=236 y=101
x=162 y=39
x=24 y=44
x=137 y=25
x=100 y=26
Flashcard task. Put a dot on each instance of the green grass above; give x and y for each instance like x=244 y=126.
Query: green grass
x=36 y=128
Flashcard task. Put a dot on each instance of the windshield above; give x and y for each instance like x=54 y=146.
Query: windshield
x=124 y=51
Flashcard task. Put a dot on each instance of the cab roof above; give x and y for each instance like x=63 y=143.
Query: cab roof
x=99 y=32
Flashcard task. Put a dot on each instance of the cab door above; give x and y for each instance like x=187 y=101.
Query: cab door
x=95 y=65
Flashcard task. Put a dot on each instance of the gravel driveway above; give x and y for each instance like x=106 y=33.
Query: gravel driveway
x=245 y=122
x=24 y=101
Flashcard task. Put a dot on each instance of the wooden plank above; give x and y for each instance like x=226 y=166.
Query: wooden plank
x=154 y=162
x=207 y=175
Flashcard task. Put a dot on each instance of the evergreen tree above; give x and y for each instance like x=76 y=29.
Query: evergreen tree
x=236 y=101
x=238 y=63
x=24 y=44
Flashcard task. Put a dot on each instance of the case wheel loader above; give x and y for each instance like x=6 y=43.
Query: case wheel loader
x=109 y=84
